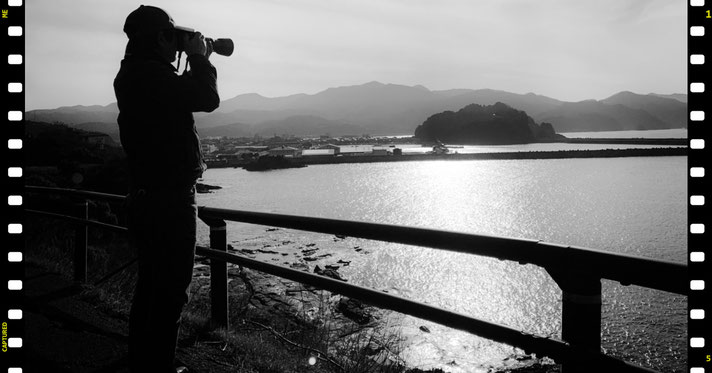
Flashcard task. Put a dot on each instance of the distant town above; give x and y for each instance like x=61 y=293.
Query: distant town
x=234 y=151
x=296 y=151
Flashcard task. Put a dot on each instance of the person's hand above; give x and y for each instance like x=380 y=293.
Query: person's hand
x=209 y=47
x=194 y=44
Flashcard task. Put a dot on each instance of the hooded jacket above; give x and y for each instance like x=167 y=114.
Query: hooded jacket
x=156 y=122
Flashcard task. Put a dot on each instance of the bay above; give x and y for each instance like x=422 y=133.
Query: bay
x=634 y=206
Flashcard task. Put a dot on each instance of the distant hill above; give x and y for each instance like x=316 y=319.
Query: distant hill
x=676 y=96
x=581 y=116
x=390 y=109
x=531 y=103
x=667 y=110
x=254 y=101
x=229 y=130
x=111 y=129
x=76 y=114
x=305 y=125
x=298 y=125
x=484 y=125
x=50 y=144
x=57 y=155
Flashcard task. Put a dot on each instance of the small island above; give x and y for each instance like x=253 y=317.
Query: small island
x=497 y=124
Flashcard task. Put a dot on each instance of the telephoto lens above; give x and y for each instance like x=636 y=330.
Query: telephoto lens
x=223 y=47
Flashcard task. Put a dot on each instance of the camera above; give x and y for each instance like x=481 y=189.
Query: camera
x=222 y=46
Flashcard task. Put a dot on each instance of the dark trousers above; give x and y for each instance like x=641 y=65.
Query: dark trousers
x=162 y=226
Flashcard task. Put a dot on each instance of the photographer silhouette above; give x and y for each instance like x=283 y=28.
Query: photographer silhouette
x=162 y=146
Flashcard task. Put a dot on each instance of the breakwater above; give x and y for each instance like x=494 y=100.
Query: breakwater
x=559 y=154
x=606 y=153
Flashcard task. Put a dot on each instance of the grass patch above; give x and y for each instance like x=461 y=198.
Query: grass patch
x=297 y=334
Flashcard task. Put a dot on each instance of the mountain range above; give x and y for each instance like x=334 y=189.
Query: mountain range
x=389 y=109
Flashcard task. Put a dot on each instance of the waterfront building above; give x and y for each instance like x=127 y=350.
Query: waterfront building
x=335 y=148
x=286 y=151
x=318 y=152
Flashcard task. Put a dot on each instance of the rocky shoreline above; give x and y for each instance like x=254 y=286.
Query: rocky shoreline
x=305 y=304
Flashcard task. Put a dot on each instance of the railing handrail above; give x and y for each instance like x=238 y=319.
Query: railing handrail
x=88 y=222
x=627 y=269
x=76 y=193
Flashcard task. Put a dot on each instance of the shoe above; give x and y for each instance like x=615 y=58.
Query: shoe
x=182 y=370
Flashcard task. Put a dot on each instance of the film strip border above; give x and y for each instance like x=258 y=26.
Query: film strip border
x=13 y=41
x=698 y=40
x=12 y=104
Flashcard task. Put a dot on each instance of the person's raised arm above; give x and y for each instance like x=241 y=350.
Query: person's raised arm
x=197 y=90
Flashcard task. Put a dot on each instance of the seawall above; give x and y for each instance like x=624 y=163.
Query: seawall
x=561 y=154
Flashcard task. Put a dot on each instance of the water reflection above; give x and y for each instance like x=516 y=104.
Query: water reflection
x=628 y=205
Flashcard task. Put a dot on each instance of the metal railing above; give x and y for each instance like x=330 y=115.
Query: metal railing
x=577 y=271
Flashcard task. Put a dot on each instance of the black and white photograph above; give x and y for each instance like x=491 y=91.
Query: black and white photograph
x=356 y=186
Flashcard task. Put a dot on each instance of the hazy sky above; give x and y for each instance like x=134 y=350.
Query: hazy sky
x=566 y=49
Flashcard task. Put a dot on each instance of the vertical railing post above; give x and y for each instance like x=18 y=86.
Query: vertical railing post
x=218 y=275
x=81 y=235
x=581 y=316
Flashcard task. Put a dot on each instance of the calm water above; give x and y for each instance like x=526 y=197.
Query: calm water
x=629 y=205
x=653 y=134
x=675 y=133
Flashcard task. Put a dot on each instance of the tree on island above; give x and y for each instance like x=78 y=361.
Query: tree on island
x=484 y=125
